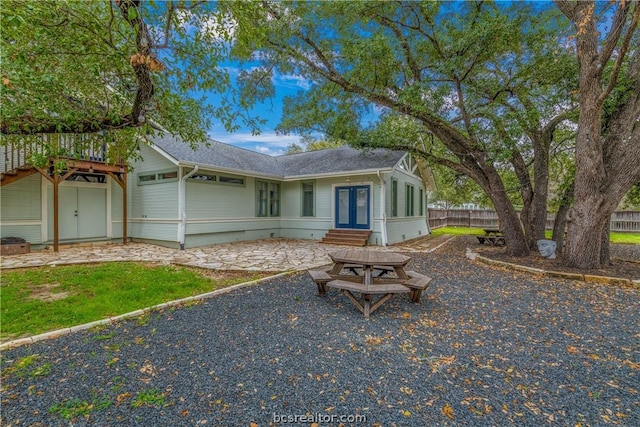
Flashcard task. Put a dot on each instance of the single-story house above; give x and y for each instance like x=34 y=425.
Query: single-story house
x=179 y=197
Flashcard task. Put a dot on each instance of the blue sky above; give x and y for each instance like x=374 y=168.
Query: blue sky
x=267 y=141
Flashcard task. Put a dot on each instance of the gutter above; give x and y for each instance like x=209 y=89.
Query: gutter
x=383 y=213
x=182 y=206
x=215 y=168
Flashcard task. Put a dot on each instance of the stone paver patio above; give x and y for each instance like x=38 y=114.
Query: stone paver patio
x=260 y=255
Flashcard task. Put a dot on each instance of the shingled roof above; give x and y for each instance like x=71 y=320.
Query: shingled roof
x=330 y=161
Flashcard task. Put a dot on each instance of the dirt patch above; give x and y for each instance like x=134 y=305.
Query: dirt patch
x=45 y=292
x=229 y=274
x=627 y=269
x=222 y=275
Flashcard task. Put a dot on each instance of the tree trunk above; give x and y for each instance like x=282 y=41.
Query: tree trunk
x=510 y=224
x=560 y=223
x=605 y=254
x=526 y=218
x=540 y=195
x=511 y=229
x=607 y=159
x=584 y=235
x=534 y=197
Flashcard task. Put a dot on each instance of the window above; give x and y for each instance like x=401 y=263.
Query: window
x=421 y=201
x=268 y=198
x=157 y=177
x=146 y=178
x=211 y=177
x=274 y=199
x=261 y=188
x=203 y=177
x=394 y=198
x=409 y=200
x=308 y=199
x=231 y=180
x=168 y=175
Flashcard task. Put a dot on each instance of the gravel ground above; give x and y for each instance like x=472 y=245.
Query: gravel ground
x=625 y=251
x=485 y=347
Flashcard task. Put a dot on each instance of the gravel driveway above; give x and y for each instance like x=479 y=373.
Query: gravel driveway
x=485 y=347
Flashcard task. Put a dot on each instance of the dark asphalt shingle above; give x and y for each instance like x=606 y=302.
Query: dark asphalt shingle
x=221 y=155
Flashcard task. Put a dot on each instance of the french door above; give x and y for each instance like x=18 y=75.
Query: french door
x=352 y=207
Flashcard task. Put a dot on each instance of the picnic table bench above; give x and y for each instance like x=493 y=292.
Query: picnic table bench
x=417 y=283
x=369 y=274
x=367 y=304
x=321 y=278
x=493 y=236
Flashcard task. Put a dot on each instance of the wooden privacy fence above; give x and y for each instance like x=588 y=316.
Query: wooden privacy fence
x=621 y=221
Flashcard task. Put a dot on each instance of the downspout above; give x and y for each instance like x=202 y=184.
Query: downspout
x=383 y=209
x=182 y=228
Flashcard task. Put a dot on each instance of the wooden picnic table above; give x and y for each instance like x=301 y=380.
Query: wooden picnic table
x=493 y=236
x=369 y=260
x=362 y=264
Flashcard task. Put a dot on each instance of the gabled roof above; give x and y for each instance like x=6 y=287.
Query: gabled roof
x=323 y=162
x=218 y=154
x=341 y=159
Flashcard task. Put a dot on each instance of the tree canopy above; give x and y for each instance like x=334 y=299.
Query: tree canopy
x=78 y=67
x=495 y=83
x=489 y=81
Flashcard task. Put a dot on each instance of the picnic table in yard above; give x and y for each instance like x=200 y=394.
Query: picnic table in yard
x=493 y=236
x=370 y=273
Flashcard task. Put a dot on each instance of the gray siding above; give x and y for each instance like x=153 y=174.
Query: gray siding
x=21 y=199
x=219 y=213
x=403 y=228
x=157 y=201
x=215 y=201
x=153 y=208
x=32 y=233
x=154 y=230
x=21 y=209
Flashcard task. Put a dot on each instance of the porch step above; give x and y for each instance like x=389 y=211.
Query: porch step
x=347 y=237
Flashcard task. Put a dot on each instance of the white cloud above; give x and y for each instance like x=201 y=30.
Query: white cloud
x=214 y=26
x=267 y=143
x=292 y=81
x=222 y=29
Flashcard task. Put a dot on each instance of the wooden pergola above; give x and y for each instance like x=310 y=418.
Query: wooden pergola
x=60 y=168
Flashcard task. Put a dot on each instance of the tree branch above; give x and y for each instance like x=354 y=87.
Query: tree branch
x=411 y=61
x=613 y=79
x=142 y=63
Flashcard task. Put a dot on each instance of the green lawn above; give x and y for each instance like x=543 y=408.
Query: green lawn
x=37 y=300
x=457 y=231
x=631 y=238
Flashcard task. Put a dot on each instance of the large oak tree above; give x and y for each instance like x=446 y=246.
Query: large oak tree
x=484 y=79
x=608 y=141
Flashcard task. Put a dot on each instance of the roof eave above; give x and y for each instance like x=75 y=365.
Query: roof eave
x=184 y=163
x=338 y=174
